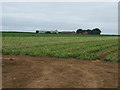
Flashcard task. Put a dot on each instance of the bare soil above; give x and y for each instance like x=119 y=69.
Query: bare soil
x=49 y=72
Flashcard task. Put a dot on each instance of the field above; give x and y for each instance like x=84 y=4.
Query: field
x=85 y=47
x=32 y=60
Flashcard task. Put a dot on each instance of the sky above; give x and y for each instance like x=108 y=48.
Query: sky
x=29 y=16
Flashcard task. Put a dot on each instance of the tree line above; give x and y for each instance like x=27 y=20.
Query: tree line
x=95 y=31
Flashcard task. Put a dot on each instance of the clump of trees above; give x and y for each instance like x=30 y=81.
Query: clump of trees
x=95 y=31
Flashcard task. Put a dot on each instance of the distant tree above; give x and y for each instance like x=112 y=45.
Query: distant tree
x=37 y=31
x=89 y=31
x=84 y=31
x=79 y=31
x=96 y=31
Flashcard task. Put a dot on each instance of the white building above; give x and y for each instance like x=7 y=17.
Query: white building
x=47 y=31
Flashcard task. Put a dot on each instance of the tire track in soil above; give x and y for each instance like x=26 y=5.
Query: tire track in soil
x=48 y=72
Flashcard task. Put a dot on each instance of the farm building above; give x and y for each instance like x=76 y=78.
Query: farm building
x=67 y=32
x=85 y=33
x=47 y=31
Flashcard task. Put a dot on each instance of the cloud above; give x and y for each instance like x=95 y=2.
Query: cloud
x=27 y=16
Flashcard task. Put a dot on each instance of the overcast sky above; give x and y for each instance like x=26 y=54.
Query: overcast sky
x=28 y=16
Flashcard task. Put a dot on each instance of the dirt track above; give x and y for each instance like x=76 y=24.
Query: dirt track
x=47 y=72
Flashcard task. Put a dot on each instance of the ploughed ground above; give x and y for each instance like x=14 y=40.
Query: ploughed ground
x=49 y=72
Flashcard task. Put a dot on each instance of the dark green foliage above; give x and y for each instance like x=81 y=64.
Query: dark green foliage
x=95 y=31
x=37 y=31
x=79 y=31
x=89 y=31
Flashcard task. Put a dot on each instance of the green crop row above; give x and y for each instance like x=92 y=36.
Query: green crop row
x=85 y=47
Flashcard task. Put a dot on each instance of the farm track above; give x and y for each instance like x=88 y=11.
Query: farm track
x=49 y=72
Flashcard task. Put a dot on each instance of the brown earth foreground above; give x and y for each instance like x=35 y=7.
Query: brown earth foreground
x=48 y=72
